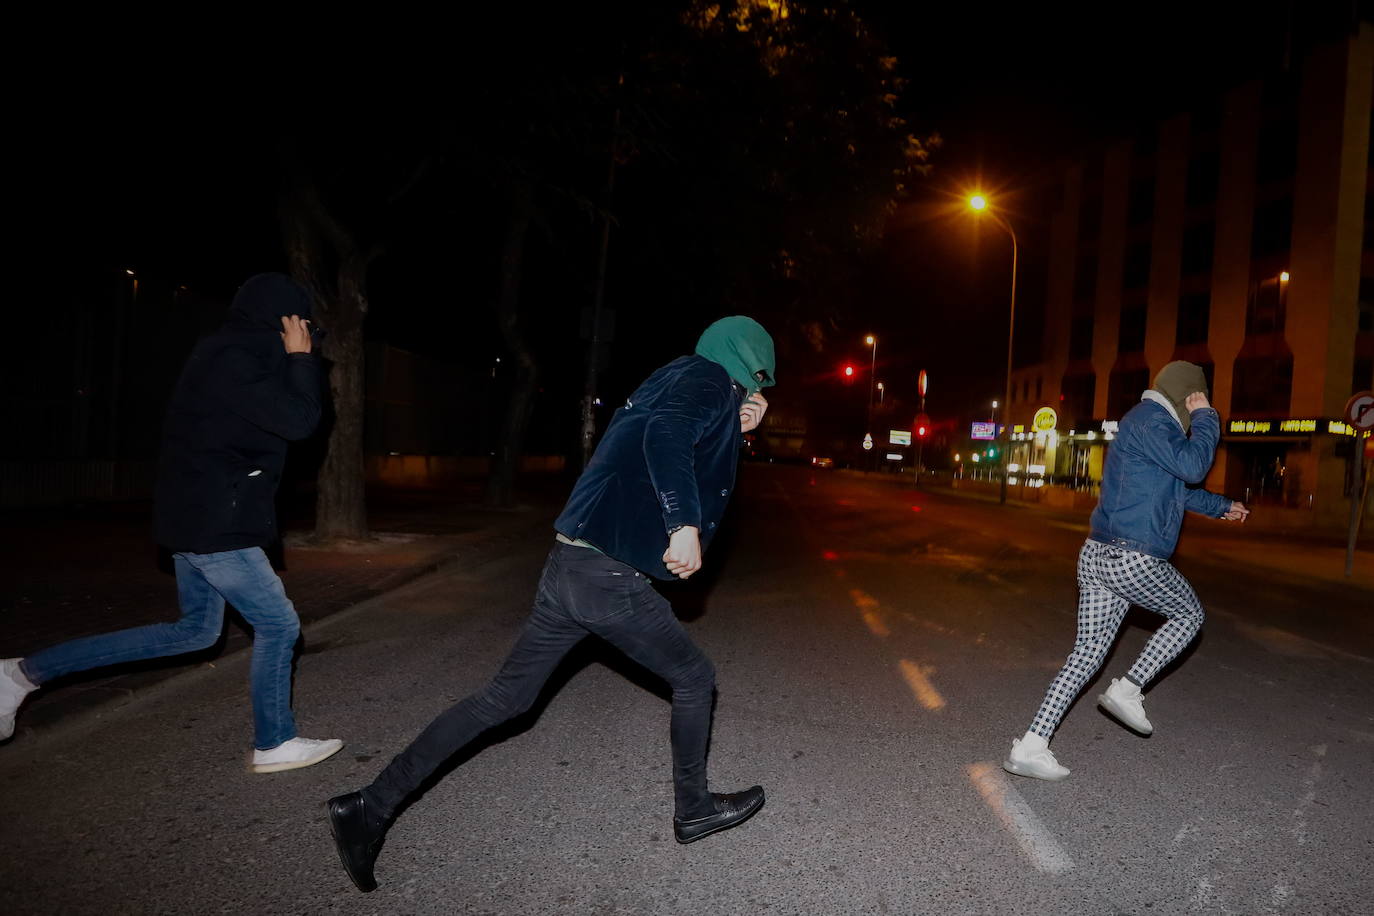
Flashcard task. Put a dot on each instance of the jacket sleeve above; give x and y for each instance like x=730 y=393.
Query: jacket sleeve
x=1205 y=502
x=671 y=435
x=1187 y=458
x=284 y=399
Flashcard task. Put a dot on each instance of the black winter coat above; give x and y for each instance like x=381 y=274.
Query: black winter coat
x=239 y=400
x=668 y=459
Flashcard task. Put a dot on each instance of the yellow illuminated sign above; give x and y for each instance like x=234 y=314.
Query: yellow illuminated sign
x=1045 y=419
x=1289 y=426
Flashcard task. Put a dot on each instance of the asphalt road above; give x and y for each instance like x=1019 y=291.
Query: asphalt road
x=877 y=649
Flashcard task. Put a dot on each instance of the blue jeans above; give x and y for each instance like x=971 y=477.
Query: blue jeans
x=205 y=581
x=581 y=592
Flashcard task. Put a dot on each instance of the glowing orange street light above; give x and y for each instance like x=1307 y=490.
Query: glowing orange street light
x=979 y=203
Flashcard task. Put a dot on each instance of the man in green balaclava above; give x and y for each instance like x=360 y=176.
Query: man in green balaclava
x=647 y=505
x=1163 y=445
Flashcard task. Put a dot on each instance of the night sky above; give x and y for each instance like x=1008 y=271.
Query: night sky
x=162 y=155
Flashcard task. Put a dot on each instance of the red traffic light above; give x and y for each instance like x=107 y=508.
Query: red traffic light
x=848 y=371
x=921 y=426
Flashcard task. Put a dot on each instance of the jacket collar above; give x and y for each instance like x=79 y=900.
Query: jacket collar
x=1149 y=394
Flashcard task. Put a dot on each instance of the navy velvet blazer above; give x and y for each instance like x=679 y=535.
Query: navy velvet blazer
x=668 y=459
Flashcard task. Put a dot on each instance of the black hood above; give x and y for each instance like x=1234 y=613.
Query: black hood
x=263 y=300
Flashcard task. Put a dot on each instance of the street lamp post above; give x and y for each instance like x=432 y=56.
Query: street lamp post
x=980 y=204
x=872 y=341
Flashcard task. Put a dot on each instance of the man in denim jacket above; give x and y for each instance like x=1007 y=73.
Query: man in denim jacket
x=1165 y=444
x=646 y=506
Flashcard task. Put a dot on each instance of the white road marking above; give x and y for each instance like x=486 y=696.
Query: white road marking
x=1016 y=816
x=1314 y=773
x=917 y=678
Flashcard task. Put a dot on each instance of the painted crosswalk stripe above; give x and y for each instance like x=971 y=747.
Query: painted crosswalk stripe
x=1035 y=840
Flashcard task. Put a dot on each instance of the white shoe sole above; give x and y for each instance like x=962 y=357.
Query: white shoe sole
x=1122 y=715
x=294 y=764
x=1017 y=768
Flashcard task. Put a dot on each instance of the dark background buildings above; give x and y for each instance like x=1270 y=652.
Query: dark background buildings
x=160 y=151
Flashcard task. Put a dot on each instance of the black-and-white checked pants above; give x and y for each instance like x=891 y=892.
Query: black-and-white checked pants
x=1110 y=580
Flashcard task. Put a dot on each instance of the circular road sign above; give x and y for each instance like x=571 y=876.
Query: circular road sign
x=868 y=441
x=1045 y=419
x=1359 y=410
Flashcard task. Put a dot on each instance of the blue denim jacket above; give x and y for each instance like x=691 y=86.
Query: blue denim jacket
x=1145 y=483
x=667 y=460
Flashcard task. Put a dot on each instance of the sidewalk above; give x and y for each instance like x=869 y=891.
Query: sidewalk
x=1299 y=555
x=76 y=571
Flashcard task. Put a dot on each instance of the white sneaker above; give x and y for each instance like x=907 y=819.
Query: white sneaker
x=1031 y=756
x=1124 y=701
x=294 y=754
x=13 y=688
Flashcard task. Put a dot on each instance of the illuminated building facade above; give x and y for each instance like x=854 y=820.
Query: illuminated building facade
x=1238 y=236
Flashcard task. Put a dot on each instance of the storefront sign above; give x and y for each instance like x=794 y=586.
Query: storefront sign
x=984 y=431
x=1287 y=426
x=1045 y=419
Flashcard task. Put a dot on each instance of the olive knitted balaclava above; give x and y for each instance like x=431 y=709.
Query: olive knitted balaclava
x=1176 y=381
x=744 y=348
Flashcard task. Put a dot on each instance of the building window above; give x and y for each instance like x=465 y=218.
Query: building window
x=1262 y=385
x=1076 y=399
x=1363 y=376
x=1039 y=388
x=1369 y=221
x=1268 y=307
x=1081 y=337
x=1364 y=323
x=1085 y=278
x=1131 y=335
x=1278 y=151
x=1090 y=215
x=1136 y=273
x=1141 y=206
x=1204 y=177
x=1273 y=230
x=1199 y=244
x=1194 y=315
x=1125 y=390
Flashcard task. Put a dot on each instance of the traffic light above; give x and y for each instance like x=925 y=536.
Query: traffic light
x=921 y=427
x=847 y=373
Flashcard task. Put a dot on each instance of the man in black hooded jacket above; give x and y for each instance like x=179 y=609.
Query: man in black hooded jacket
x=647 y=505
x=246 y=391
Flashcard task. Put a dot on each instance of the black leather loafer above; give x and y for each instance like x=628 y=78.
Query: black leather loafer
x=357 y=841
x=732 y=809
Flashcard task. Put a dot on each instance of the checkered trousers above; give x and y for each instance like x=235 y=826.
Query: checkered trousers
x=1110 y=580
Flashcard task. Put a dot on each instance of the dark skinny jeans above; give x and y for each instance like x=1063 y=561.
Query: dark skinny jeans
x=580 y=591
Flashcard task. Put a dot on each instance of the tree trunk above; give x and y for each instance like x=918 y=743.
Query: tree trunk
x=341 y=496
x=309 y=229
x=501 y=479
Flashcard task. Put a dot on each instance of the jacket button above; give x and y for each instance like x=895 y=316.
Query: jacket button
x=712 y=525
x=724 y=492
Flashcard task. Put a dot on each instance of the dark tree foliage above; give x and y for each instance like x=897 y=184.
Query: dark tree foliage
x=755 y=147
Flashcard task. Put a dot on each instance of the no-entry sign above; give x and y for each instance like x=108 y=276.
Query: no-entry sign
x=1359 y=410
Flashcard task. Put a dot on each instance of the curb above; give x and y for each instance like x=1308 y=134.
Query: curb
x=81 y=708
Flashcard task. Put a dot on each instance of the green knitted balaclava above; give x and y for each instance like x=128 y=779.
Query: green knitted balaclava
x=1176 y=381
x=743 y=347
